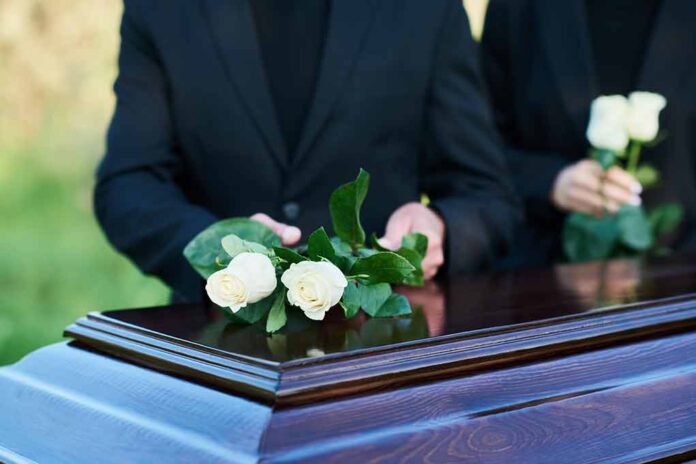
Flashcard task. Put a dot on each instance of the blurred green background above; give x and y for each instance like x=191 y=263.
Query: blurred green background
x=57 y=63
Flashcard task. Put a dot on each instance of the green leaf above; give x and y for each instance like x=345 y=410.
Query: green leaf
x=665 y=219
x=344 y=254
x=345 y=204
x=414 y=246
x=587 y=238
x=372 y=297
x=252 y=313
x=634 y=229
x=416 y=242
x=350 y=302
x=416 y=278
x=605 y=158
x=368 y=297
x=383 y=267
x=205 y=252
x=277 y=316
x=233 y=245
x=375 y=243
x=288 y=255
x=647 y=175
x=319 y=246
x=367 y=252
x=396 y=305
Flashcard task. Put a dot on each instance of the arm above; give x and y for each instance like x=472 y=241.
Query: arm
x=138 y=202
x=465 y=172
x=548 y=182
x=534 y=172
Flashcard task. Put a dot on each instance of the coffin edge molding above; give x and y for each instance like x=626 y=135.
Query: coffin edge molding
x=312 y=380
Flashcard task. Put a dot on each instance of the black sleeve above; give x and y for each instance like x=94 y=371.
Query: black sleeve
x=465 y=172
x=137 y=199
x=534 y=172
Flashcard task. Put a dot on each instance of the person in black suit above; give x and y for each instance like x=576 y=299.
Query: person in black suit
x=544 y=62
x=235 y=107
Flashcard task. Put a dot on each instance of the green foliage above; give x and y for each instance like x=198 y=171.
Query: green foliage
x=344 y=205
x=383 y=267
x=648 y=176
x=252 y=313
x=627 y=233
x=277 y=317
x=413 y=247
x=351 y=300
x=665 y=219
x=206 y=253
x=368 y=297
x=605 y=158
x=396 y=305
x=634 y=230
x=319 y=246
x=288 y=255
x=43 y=289
x=631 y=232
x=588 y=238
x=369 y=271
x=233 y=246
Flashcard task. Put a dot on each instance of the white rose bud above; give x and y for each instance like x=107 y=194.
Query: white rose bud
x=607 y=128
x=249 y=278
x=315 y=287
x=644 y=115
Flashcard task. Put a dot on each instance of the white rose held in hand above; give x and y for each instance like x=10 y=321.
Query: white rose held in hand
x=607 y=128
x=315 y=287
x=249 y=278
x=644 y=115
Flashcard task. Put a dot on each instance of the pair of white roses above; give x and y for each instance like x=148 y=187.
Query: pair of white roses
x=313 y=286
x=616 y=120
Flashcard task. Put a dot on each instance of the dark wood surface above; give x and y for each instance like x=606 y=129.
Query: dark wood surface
x=589 y=363
x=464 y=325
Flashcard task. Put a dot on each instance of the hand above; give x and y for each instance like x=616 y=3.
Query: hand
x=585 y=188
x=289 y=235
x=414 y=217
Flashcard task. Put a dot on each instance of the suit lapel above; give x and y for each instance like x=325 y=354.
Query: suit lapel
x=672 y=49
x=233 y=29
x=565 y=39
x=348 y=24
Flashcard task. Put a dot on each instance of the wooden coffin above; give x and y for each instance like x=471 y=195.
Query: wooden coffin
x=582 y=363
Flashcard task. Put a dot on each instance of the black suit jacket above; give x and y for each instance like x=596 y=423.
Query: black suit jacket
x=538 y=64
x=195 y=137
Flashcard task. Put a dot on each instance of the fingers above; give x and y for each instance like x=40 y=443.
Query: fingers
x=587 y=202
x=399 y=224
x=585 y=188
x=414 y=217
x=620 y=196
x=434 y=257
x=289 y=235
x=623 y=179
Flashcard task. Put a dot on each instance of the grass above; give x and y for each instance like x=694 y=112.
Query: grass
x=55 y=264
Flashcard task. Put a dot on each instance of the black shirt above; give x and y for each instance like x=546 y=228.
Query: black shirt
x=291 y=34
x=620 y=31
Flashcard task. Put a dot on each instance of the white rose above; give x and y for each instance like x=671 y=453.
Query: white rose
x=314 y=286
x=249 y=278
x=607 y=128
x=644 y=115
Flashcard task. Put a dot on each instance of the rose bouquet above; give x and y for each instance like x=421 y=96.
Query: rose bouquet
x=250 y=276
x=618 y=130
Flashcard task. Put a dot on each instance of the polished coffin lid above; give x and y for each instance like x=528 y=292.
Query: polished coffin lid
x=463 y=325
